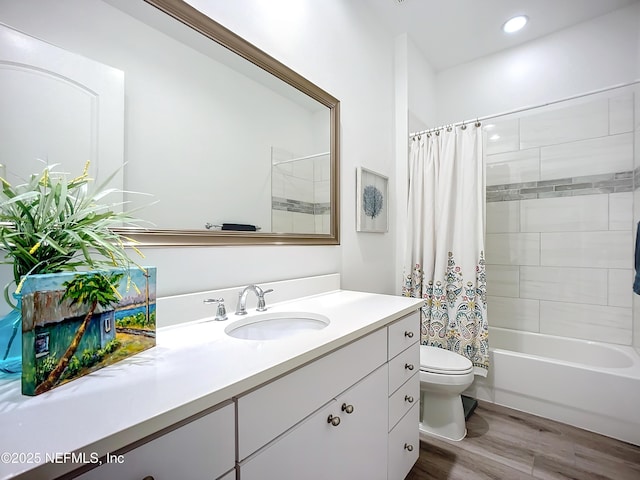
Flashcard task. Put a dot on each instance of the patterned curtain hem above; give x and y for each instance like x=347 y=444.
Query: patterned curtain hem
x=455 y=313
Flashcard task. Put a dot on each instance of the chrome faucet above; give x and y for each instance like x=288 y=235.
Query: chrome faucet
x=221 y=311
x=241 y=308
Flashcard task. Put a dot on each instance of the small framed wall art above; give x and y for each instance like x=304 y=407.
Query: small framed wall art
x=372 y=203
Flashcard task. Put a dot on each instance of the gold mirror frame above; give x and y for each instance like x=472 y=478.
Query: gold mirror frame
x=196 y=20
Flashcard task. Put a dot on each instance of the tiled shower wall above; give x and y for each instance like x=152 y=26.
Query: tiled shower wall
x=560 y=236
x=300 y=193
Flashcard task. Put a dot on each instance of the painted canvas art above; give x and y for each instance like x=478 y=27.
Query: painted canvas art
x=78 y=322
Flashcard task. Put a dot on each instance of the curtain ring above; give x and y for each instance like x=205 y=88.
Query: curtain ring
x=437 y=133
x=478 y=124
x=463 y=126
x=449 y=128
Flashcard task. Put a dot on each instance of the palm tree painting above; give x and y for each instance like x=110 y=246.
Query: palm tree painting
x=76 y=323
x=96 y=289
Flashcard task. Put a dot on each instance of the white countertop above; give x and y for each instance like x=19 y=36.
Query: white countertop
x=194 y=366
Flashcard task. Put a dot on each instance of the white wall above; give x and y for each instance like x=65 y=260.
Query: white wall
x=637 y=45
x=596 y=54
x=401 y=93
x=342 y=48
x=422 y=90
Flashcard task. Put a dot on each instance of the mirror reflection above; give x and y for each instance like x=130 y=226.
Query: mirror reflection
x=216 y=139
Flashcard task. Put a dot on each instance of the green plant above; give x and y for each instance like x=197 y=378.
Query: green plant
x=52 y=223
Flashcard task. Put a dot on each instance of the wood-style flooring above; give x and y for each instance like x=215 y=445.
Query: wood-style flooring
x=504 y=444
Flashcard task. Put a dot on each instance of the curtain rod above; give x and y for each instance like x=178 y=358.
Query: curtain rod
x=522 y=109
x=308 y=157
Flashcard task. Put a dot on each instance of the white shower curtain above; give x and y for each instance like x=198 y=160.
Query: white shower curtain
x=444 y=255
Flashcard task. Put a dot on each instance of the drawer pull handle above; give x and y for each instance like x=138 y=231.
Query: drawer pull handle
x=408 y=334
x=347 y=408
x=408 y=366
x=408 y=447
x=335 y=421
x=408 y=398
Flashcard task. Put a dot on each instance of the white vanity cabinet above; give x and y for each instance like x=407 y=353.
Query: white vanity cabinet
x=274 y=408
x=320 y=420
x=341 y=416
x=202 y=448
x=332 y=443
x=404 y=395
x=404 y=444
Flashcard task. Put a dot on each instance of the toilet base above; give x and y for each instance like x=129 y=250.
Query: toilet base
x=426 y=433
x=443 y=416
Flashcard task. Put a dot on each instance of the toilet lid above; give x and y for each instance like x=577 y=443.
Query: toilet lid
x=439 y=360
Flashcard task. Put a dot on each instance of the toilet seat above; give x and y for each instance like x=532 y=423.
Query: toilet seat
x=440 y=361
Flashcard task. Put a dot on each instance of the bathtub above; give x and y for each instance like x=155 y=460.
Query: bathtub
x=591 y=385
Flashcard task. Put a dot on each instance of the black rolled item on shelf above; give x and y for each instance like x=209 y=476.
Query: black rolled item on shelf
x=239 y=227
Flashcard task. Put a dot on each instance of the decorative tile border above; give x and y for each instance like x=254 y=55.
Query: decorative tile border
x=322 y=208
x=298 y=206
x=565 y=187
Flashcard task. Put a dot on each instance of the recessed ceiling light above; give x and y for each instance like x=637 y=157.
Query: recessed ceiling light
x=514 y=24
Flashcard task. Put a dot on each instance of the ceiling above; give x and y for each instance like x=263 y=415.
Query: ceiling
x=450 y=32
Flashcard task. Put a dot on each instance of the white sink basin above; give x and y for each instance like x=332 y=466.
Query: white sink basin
x=276 y=325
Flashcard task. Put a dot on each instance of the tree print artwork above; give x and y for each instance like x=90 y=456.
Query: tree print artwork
x=372 y=201
x=372 y=207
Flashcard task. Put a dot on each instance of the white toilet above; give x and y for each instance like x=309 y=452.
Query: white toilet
x=444 y=375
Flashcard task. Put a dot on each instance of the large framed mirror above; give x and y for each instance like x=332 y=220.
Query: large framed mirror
x=225 y=138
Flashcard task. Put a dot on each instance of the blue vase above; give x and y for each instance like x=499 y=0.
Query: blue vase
x=11 y=341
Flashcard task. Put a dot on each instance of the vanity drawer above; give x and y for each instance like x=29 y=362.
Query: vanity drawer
x=203 y=448
x=275 y=407
x=404 y=444
x=403 y=399
x=403 y=366
x=403 y=333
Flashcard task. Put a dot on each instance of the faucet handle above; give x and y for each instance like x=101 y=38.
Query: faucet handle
x=221 y=311
x=213 y=300
x=262 y=306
